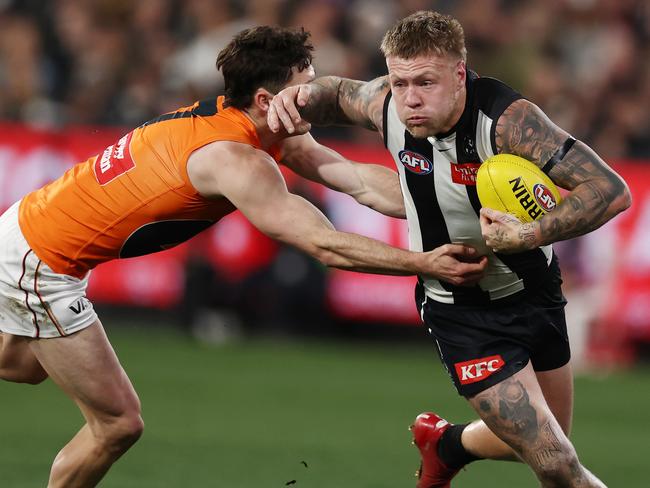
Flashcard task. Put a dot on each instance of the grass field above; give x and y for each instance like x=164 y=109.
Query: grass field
x=249 y=414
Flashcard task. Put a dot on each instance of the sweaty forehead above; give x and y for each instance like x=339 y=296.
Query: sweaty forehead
x=413 y=66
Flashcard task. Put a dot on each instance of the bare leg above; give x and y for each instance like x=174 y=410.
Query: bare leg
x=478 y=439
x=17 y=361
x=85 y=366
x=557 y=388
x=517 y=412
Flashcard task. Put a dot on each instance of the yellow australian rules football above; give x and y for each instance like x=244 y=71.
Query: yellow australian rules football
x=514 y=185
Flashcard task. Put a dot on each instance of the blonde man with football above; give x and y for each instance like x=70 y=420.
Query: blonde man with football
x=502 y=340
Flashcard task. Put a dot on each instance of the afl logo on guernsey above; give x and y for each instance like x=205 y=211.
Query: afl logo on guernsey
x=415 y=163
x=544 y=197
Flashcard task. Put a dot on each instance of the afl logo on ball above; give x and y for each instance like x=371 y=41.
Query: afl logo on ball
x=415 y=163
x=544 y=197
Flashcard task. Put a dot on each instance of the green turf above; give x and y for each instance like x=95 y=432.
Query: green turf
x=249 y=414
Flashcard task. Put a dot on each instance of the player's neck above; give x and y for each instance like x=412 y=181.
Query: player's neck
x=267 y=138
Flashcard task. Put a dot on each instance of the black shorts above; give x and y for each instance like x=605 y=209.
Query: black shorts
x=482 y=346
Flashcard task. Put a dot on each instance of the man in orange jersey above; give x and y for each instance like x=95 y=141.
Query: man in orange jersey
x=158 y=186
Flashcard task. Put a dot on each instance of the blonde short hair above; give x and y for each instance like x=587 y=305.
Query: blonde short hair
x=425 y=32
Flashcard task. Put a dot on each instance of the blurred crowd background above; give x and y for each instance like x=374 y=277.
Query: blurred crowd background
x=76 y=74
x=121 y=62
x=118 y=63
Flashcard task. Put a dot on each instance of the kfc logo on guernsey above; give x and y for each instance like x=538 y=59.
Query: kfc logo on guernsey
x=478 y=369
x=544 y=197
x=464 y=174
x=415 y=163
x=114 y=161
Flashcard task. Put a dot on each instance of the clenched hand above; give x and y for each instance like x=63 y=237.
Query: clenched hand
x=283 y=110
x=457 y=264
x=505 y=233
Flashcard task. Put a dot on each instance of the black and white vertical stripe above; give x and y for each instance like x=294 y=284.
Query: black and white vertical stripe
x=441 y=211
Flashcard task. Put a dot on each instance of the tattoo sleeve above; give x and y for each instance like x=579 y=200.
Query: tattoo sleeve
x=341 y=101
x=597 y=193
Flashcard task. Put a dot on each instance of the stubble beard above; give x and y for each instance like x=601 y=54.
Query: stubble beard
x=419 y=131
x=437 y=126
x=430 y=129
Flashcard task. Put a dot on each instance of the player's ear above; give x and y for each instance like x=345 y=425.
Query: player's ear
x=262 y=99
x=460 y=72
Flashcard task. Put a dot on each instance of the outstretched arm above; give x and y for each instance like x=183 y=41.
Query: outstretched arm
x=251 y=180
x=330 y=100
x=372 y=185
x=597 y=193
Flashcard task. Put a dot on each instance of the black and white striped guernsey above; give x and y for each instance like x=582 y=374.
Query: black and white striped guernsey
x=438 y=178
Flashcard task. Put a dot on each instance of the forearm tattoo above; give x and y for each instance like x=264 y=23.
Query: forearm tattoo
x=527 y=235
x=501 y=236
x=597 y=192
x=322 y=106
x=341 y=101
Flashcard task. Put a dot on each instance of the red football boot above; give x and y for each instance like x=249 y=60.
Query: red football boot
x=427 y=430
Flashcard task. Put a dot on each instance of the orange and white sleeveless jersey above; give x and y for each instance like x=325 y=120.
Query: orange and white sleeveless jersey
x=135 y=198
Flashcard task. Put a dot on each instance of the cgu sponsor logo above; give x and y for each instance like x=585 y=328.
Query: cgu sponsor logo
x=464 y=173
x=478 y=369
x=114 y=161
x=544 y=197
x=525 y=199
x=415 y=163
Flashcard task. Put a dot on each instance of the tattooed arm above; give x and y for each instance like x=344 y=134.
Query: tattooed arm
x=330 y=100
x=597 y=193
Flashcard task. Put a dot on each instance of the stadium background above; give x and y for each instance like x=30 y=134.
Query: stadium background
x=249 y=357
